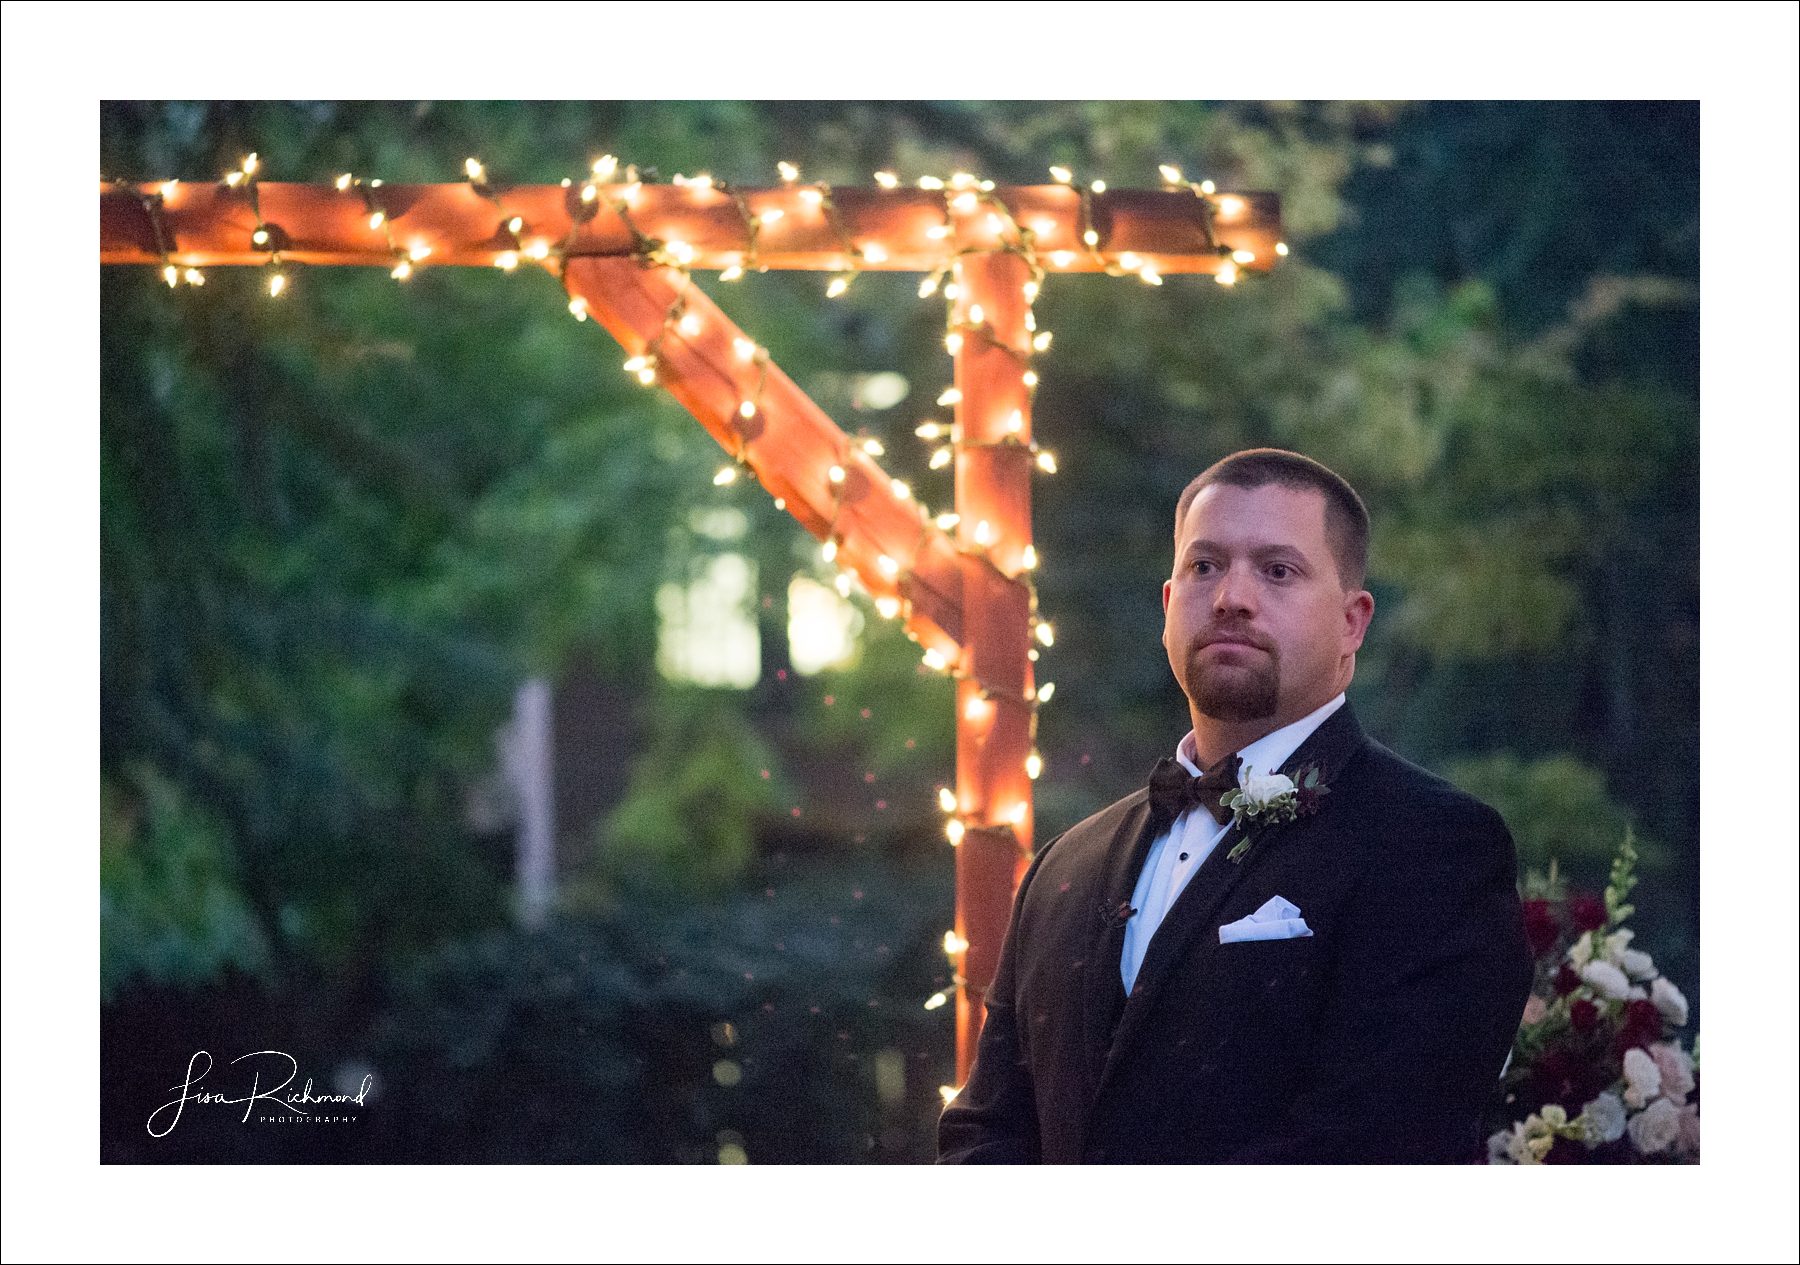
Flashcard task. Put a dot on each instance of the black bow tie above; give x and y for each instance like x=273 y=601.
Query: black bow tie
x=1173 y=790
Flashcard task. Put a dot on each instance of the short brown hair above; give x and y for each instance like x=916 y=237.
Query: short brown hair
x=1346 y=518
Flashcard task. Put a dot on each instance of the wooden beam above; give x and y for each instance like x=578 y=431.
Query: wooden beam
x=905 y=230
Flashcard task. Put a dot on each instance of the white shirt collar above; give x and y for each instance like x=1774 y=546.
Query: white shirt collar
x=1268 y=752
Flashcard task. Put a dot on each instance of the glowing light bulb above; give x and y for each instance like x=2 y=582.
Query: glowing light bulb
x=940 y=458
x=933 y=1002
x=930 y=182
x=1030 y=379
x=1046 y=691
x=948 y=1093
x=507 y=260
x=953 y=343
x=578 y=308
x=631 y=191
x=1099 y=186
x=771 y=215
x=1243 y=256
x=250 y=165
x=954 y=944
x=689 y=324
x=946 y=521
x=234 y=179
x=1043 y=228
x=781 y=504
x=928 y=430
x=1045 y=633
x=953 y=831
x=946 y=799
x=701 y=181
x=935 y=661
x=589 y=193
x=1017 y=815
x=194 y=277
x=1030 y=558
x=1062 y=175
x=683 y=252
x=887 y=607
x=1170 y=174
x=928 y=287
x=963 y=202
x=1091 y=237
x=950 y=396
x=473 y=169
x=788 y=171
x=1016 y=422
x=875 y=253
x=994 y=225
x=1031 y=291
x=744 y=347
x=888 y=566
x=727 y=474
x=873 y=447
x=538 y=249
x=961 y=180
x=1207 y=186
x=1030 y=319
x=1034 y=765
x=634 y=364
x=1226 y=276
x=169 y=187
x=983 y=533
x=172 y=275
x=1042 y=341
x=1047 y=462
x=811 y=196
x=378 y=219
x=1062 y=258
x=838 y=286
x=343 y=182
x=828 y=550
x=647 y=375
x=1281 y=248
x=952 y=290
x=277 y=284
x=843 y=585
x=1130 y=262
x=747 y=410
x=260 y=236
x=835 y=474
x=886 y=179
x=732 y=273
x=1150 y=277
x=419 y=252
x=1230 y=208
x=937 y=232
x=976 y=315
x=605 y=165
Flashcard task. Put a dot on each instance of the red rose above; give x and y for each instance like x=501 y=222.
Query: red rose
x=1587 y=913
x=1567 y=981
x=1540 y=927
x=1583 y=1014
x=1642 y=1025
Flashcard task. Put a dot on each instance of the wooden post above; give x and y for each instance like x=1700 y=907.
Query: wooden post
x=993 y=698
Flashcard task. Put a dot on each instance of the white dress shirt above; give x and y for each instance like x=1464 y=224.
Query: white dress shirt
x=1191 y=838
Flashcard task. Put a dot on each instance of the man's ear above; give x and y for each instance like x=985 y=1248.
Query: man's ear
x=1359 y=610
x=1167 y=584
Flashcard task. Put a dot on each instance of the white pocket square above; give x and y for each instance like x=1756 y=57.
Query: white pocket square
x=1277 y=919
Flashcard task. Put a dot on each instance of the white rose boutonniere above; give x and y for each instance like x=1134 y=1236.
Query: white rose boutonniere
x=1269 y=799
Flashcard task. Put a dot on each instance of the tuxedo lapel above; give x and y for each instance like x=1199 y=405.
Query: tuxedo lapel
x=1331 y=746
x=1104 y=990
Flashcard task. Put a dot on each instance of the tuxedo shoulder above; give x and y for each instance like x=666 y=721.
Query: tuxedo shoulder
x=1391 y=788
x=1094 y=835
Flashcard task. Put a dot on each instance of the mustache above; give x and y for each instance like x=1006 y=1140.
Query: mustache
x=1231 y=636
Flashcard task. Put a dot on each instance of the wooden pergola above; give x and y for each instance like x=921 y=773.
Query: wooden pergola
x=625 y=252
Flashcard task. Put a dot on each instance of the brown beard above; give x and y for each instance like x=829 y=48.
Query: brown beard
x=1236 y=694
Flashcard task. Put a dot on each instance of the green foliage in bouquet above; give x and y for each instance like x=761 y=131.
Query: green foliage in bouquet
x=1597 y=1073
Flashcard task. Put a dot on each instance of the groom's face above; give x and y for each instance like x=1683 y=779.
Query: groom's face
x=1258 y=624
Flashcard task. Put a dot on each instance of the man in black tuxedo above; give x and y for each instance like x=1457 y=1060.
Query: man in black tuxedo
x=1334 y=977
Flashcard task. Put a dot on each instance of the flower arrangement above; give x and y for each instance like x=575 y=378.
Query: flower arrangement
x=1597 y=1064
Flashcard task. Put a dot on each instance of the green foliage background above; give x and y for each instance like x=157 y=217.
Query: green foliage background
x=338 y=529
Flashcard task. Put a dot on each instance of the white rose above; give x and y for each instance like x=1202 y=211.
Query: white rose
x=1643 y=1079
x=1607 y=980
x=1261 y=788
x=1603 y=1120
x=1669 y=1002
x=1637 y=964
x=1676 y=1068
x=1653 y=1128
x=1615 y=945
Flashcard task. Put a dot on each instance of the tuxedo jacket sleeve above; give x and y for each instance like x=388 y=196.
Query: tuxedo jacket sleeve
x=1378 y=1038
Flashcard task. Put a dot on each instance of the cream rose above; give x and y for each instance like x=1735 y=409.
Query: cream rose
x=1653 y=1128
x=1263 y=788
x=1643 y=1079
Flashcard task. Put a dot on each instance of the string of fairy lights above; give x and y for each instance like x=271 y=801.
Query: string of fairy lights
x=612 y=187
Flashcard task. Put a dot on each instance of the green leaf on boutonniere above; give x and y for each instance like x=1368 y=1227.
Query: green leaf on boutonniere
x=1236 y=855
